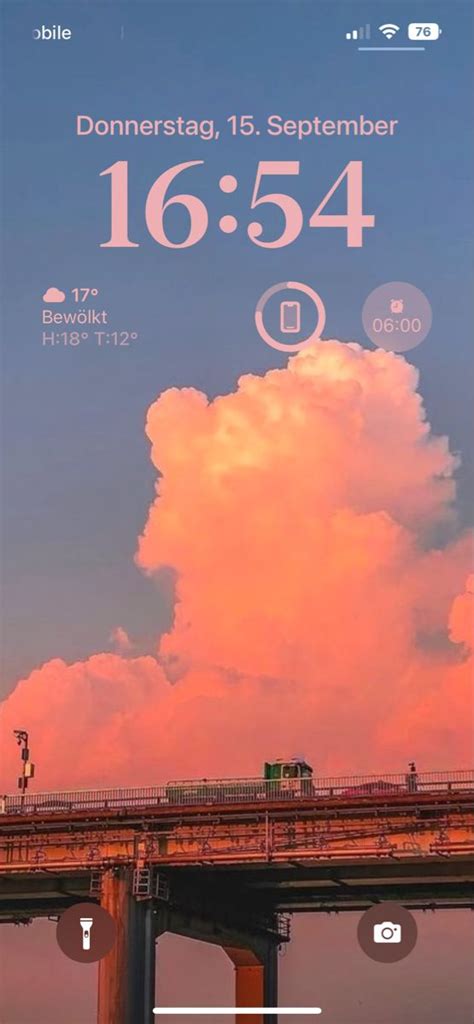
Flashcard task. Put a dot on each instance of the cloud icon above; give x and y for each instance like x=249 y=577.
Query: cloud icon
x=54 y=295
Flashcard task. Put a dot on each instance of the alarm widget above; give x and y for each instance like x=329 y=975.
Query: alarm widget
x=397 y=316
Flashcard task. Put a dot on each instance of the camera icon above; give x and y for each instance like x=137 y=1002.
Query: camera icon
x=387 y=932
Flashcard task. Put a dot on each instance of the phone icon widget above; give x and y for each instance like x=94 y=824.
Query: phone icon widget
x=290 y=317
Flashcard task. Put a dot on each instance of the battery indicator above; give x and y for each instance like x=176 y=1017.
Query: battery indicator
x=423 y=30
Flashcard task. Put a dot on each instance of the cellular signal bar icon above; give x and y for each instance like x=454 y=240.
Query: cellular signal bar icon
x=359 y=33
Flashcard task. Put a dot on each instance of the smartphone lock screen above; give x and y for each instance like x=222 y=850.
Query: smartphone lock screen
x=236 y=491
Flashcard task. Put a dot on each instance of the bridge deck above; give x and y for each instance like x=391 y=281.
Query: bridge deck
x=300 y=855
x=248 y=844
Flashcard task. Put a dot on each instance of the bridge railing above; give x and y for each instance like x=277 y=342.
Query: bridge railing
x=214 y=791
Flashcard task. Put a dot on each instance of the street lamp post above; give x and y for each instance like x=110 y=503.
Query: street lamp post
x=28 y=768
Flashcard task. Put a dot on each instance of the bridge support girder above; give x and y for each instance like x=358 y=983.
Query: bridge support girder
x=256 y=978
x=126 y=993
x=253 y=952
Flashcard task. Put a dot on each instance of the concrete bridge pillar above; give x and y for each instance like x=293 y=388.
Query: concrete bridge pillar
x=127 y=974
x=256 y=979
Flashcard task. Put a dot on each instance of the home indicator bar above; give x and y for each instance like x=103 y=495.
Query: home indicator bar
x=306 y=1011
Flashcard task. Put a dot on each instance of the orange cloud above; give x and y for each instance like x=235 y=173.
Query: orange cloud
x=461 y=621
x=309 y=517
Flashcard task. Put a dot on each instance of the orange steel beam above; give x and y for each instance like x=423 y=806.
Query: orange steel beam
x=113 y=992
x=255 y=979
x=249 y=989
x=126 y=988
x=263 y=839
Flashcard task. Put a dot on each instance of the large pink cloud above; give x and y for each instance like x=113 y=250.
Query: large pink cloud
x=310 y=519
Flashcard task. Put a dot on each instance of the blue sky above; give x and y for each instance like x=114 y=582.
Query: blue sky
x=77 y=476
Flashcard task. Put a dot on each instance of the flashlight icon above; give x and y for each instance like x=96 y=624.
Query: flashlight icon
x=86 y=925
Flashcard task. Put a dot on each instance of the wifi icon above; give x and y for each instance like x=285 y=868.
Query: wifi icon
x=389 y=31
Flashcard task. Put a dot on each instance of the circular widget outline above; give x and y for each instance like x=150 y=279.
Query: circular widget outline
x=299 y=287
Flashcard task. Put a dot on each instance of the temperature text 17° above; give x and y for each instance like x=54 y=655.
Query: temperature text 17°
x=82 y=294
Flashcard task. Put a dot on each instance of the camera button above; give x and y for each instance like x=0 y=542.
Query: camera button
x=387 y=933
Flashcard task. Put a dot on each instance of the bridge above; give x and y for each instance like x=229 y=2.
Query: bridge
x=228 y=862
